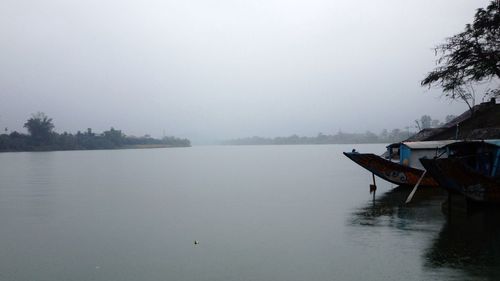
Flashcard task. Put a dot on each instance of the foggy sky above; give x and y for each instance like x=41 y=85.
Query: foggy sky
x=223 y=69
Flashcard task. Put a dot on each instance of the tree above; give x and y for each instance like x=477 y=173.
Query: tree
x=397 y=135
x=425 y=121
x=449 y=118
x=469 y=58
x=40 y=127
x=114 y=136
x=384 y=134
x=435 y=123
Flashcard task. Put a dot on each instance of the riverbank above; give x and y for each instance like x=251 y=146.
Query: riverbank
x=42 y=137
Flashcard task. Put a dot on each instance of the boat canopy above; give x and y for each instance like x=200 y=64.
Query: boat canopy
x=494 y=142
x=472 y=143
x=421 y=144
x=427 y=144
x=482 y=156
x=409 y=153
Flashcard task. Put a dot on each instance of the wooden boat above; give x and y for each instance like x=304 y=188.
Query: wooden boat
x=400 y=164
x=390 y=171
x=471 y=169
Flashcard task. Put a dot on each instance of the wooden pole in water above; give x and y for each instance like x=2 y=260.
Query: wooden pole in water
x=373 y=187
x=415 y=188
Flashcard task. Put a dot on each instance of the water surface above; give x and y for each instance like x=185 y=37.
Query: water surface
x=259 y=213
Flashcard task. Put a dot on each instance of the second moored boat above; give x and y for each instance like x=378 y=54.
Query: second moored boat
x=471 y=168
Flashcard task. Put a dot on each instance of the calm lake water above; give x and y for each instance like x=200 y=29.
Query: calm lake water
x=258 y=212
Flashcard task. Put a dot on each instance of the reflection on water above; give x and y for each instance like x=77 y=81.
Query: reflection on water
x=465 y=245
x=388 y=209
x=469 y=242
x=260 y=213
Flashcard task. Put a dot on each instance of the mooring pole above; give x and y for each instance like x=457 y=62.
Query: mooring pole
x=373 y=187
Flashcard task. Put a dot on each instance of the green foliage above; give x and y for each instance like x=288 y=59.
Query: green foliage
x=425 y=121
x=469 y=57
x=114 y=136
x=14 y=141
x=173 y=141
x=42 y=137
x=449 y=118
x=395 y=135
x=40 y=127
x=435 y=123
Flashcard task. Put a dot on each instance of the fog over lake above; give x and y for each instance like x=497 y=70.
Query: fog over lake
x=258 y=212
x=211 y=70
x=195 y=140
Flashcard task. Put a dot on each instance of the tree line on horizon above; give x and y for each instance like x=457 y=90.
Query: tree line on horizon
x=42 y=137
x=385 y=136
x=467 y=63
x=338 y=138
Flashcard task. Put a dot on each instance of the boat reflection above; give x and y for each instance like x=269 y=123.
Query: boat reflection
x=389 y=209
x=468 y=242
x=457 y=244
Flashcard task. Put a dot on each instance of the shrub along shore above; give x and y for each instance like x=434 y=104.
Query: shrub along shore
x=41 y=137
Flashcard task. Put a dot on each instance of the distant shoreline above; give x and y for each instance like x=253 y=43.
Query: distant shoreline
x=135 y=146
x=339 y=138
x=148 y=146
x=278 y=144
x=42 y=137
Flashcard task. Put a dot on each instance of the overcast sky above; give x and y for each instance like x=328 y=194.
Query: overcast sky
x=223 y=69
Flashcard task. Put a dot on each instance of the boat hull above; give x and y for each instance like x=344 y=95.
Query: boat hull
x=390 y=171
x=454 y=176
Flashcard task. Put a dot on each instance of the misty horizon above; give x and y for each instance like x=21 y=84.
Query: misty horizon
x=226 y=69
